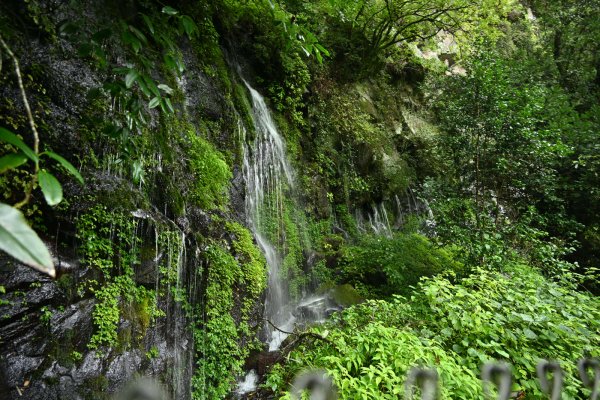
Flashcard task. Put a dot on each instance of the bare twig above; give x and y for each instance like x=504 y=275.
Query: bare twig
x=276 y=327
x=300 y=335
x=36 y=137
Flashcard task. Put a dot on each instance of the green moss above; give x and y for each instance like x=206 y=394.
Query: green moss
x=252 y=261
x=242 y=105
x=210 y=54
x=345 y=295
x=211 y=172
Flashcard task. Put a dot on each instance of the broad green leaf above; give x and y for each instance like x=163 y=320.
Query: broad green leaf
x=131 y=77
x=144 y=88
x=154 y=102
x=322 y=49
x=188 y=25
x=9 y=137
x=169 y=105
x=165 y=88
x=502 y=353
x=18 y=240
x=148 y=23
x=318 y=55
x=151 y=85
x=50 y=187
x=529 y=334
x=67 y=165
x=169 y=11
x=11 y=161
x=138 y=34
x=132 y=40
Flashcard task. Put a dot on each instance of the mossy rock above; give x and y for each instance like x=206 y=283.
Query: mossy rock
x=345 y=295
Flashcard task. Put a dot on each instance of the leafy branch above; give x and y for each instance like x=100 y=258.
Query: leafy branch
x=36 y=138
x=16 y=237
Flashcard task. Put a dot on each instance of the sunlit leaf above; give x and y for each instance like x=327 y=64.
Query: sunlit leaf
x=169 y=105
x=322 y=49
x=50 y=187
x=131 y=77
x=169 y=11
x=165 y=88
x=18 y=240
x=154 y=102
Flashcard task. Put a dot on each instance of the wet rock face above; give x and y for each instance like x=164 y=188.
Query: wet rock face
x=45 y=324
x=44 y=337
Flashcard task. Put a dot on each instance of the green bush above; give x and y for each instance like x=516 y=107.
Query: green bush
x=373 y=361
x=384 y=266
x=517 y=316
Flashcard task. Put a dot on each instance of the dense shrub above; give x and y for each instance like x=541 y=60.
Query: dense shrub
x=383 y=266
x=519 y=317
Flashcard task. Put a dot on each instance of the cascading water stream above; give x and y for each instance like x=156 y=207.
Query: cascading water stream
x=269 y=177
x=270 y=188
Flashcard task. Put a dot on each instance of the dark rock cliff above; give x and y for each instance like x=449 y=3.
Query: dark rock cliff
x=45 y=324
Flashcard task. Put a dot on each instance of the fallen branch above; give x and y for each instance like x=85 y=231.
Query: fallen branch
x=299 y=336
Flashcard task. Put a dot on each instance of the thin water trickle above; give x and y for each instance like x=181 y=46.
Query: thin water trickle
x=376 y=221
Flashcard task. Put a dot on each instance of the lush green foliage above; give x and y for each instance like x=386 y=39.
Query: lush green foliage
x=381 y=266
x=511 y=139
x=111 y=247
x=518 y=316
x=222 y=321
x=372 y=361
x=455 y=327
x=501 y=142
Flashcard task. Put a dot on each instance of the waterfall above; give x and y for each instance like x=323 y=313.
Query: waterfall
x=269 y=178
x=376 y=221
